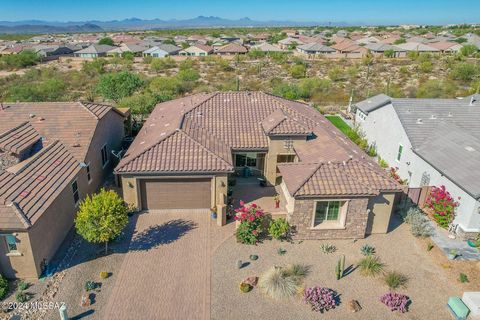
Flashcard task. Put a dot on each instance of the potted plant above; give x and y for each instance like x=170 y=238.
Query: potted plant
x=213 y=212
x=453 y=254
x=277 y=201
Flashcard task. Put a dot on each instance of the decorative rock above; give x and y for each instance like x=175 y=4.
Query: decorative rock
x=86 y=302
x=253 y=257
x=251 y=281
x=354 y=306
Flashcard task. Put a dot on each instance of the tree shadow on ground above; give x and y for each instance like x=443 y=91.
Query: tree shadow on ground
x=158 y=235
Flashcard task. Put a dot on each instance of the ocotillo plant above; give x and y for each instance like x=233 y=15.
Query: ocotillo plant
x=340 y=267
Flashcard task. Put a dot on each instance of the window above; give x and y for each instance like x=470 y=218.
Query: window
x=246 y=160
x=326 y=211
x=283 y=158
x=11 y=242
x=76 y=196
x=399 y=154
x=104 y=156
x=89 y=176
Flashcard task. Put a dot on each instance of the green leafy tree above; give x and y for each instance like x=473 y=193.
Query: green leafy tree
x=118 y=85
x=101 y=217
x=465 y=72
x=390 y=53
x=400 y=41
x=24 y=59
x=107 y=41
x=141 y=104
x=298 y=71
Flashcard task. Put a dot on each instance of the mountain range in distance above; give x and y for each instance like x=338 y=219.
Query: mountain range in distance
x=39 y=26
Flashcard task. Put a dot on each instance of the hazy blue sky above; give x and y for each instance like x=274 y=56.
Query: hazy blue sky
x=352 y=11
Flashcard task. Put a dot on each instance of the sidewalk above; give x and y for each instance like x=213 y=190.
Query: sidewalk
x=465 y=252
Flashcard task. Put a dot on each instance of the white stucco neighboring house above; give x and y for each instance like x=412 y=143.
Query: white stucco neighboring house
x=433 y=142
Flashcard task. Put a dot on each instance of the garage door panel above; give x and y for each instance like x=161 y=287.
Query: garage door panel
x=176 y=193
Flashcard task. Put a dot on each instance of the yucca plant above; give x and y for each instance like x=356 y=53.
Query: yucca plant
x=371 y=266
x=394 y=280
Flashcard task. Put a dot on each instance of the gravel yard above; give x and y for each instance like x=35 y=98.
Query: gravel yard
x=428 y=287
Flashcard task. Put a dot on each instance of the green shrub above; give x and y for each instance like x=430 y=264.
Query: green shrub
x=463 y=278
x=22 y=297
x=282 y=282
x=430 y=247
x=90 y=285
x=328 y=248
x=367 y=250
x=278 y=228
x=370 y=266
x=3 y=287
x=382 y=163
x=22 y=285
x=298 y=71
x=281 y=251
x=245 y=287
x=419 y=224
x=395 y=280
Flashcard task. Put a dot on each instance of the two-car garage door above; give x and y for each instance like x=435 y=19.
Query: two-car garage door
x=175 y=193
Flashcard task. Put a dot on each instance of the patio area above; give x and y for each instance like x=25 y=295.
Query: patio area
x=250 y=191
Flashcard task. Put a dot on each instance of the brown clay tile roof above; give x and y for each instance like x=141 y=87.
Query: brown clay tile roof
x=178 y=134
x=204 y=47
x=232 y=48
x=19 y=138
x=33 y=184
x=350 y=177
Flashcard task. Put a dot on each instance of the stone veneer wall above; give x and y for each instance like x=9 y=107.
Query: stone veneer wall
x=355 y=223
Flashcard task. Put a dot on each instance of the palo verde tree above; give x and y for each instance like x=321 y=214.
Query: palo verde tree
x=107 y=41
x=101 y=217
x=118 y=85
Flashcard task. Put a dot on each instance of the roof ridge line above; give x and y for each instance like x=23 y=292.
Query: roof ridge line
x=20 y=214
x=3 y=134
x=203 y=147
x=319 y=165
x=88 y=110
x=351 y=177
x=148 y=149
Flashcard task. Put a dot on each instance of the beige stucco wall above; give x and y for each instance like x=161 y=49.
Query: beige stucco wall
x=43 y=239
x=276 y=146
x=380 y=211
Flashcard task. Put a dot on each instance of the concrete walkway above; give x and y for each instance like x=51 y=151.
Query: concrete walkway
x=441 y=239
x=166 y=273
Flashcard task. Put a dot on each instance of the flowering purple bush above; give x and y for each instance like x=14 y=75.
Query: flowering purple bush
x=320 y=299
x=395 y=301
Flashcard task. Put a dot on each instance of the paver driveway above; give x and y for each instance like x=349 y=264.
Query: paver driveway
x=166 y=273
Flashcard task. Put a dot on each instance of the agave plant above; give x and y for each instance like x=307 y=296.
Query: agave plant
x=367 y=250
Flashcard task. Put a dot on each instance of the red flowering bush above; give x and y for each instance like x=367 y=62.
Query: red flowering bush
x=443 y=206
x=393 y=172
x=251 y=218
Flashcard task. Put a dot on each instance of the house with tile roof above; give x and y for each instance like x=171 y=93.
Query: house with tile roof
x=433 y=142
x=231 y=49
x=94 y=51
x=51 y=156
x=190 y=148
x=198 y=50
x=315 y=49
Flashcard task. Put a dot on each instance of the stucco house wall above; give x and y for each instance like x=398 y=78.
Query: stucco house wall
x=383 y=128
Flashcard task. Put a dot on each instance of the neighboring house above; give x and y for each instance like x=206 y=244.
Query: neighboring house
x=287 y=43
x=94 y=51
x=231 y=49
x=188 y=148
x=315 y=49
x=125 y=47
x=51 y=52
x=378 y=49
x=198 y=50
x=52 y=155
x=418 y=47
x=446 y=46
x=433 y=142
x=162 y=50
x=266 y=47
x=349 y=48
